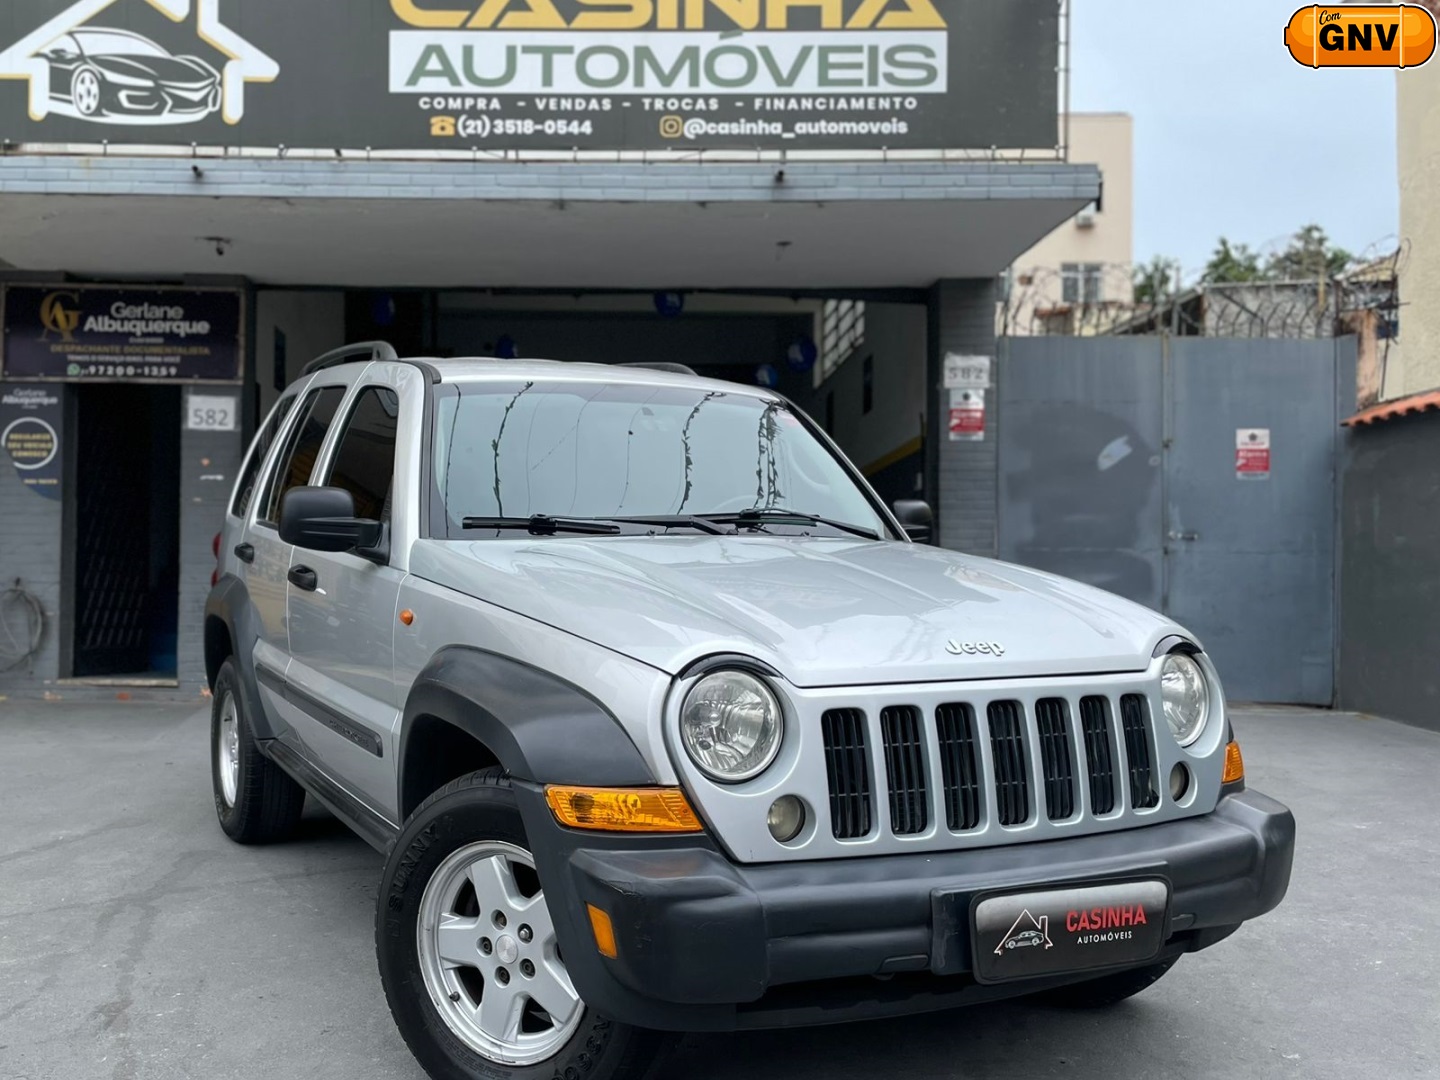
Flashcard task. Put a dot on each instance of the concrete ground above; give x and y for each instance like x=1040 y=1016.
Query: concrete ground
x=137 y=942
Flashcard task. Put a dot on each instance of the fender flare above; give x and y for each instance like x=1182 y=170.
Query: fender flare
x=228 y=605
x=541 y=728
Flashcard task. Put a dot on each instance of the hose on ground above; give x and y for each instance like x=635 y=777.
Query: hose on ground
x=22 y=626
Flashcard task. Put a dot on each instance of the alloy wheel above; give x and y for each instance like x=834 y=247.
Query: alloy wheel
x=490 y=959
x=227 y=749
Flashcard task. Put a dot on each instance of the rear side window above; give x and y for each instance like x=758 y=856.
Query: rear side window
x=364 y=463
x=246 y=491
x=295 y=463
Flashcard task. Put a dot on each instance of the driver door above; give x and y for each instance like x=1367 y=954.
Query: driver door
x=343 y=604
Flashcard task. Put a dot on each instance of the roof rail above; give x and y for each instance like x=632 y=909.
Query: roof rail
x=370 y=350
x=663 y=365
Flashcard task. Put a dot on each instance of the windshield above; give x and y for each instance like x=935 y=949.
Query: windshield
x=604 y=451
x=117 y=45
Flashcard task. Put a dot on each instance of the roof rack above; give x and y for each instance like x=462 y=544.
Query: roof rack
x=663 y=365
x=370 y=350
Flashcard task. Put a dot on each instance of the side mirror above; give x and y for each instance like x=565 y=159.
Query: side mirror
x=323 y=519
x=916 y=518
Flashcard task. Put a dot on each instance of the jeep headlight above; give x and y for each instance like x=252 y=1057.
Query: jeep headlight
x=1186 y=697
x=731 y=726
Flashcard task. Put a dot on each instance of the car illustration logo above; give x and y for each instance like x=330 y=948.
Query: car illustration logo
x=1027 y=932
x=109 y=75
x=98 y=73
x=1025 y=938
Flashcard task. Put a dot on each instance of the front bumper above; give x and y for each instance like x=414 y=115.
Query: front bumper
x=706 y=944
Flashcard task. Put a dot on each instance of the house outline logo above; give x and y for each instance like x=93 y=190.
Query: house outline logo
x=1019 y=932
x=245 y=63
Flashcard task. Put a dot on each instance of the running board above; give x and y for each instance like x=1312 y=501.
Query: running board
x=370 y=826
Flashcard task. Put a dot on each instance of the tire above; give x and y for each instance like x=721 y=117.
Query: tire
x=1107 y=990
x=473 y=824
x=256 y=802
x=86 y=92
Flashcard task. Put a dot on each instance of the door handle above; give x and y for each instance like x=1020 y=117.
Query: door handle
x=245 y=552
x=302 y=577
x=1184 y=535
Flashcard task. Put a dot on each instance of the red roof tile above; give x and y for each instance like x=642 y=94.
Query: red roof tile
x=1415 y=403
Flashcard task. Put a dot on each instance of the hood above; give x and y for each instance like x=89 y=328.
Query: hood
x=823 y=612
x=162 y=69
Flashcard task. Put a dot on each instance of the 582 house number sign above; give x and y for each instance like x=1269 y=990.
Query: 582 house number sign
x=204 y=412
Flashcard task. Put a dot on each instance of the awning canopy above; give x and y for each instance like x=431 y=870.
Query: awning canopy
x=392 y=224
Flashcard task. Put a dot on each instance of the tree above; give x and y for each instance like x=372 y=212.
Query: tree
x=1309 y=256
x=1155 y=280
x=1232 y=264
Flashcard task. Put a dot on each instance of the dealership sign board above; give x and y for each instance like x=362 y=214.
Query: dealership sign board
x=427 y=75
x=82 y=333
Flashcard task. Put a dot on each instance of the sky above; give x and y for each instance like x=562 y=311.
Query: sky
x=1232 y=137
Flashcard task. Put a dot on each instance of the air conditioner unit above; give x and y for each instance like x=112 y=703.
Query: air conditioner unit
x=1085 y=219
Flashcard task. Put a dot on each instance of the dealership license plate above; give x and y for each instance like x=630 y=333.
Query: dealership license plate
x=1033 y=934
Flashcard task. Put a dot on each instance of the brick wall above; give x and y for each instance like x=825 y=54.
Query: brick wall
x=964 y=475
x=618 y=182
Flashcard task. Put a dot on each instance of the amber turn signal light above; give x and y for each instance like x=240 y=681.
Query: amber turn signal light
x=1234 y=764
x=604 y=931
x=654 y=810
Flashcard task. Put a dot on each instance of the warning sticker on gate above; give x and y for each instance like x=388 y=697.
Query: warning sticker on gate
x=1252 y=453
x=967 y=415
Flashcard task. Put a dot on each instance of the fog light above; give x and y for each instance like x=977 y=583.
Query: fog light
x=1179 y=782
x=786 y=818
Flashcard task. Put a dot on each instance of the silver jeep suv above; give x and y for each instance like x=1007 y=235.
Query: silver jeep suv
x=663 y=722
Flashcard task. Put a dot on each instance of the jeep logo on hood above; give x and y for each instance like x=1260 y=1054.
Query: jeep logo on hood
x=972 y=648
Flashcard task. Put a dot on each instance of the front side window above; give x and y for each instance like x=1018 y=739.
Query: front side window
x=245 y=490
x=607 y=451
x=364 y=462
x=297 y=460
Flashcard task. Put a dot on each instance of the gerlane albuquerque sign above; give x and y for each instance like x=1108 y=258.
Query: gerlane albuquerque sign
x=82 y=332
x=424 y=75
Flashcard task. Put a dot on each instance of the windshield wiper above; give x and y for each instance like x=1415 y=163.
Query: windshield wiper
x=541 y=525
x=778 y=516
x=678 y=521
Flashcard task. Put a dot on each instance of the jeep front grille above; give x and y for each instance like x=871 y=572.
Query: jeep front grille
x=847 y=762
x=1053 y=721
x=905 y=769
x=1095 y=727
x=1066 y=748
x=1134 y=719
x=1007 y=748
x=959 y=767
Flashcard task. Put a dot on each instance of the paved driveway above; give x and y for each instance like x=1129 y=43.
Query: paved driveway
x=136 y=942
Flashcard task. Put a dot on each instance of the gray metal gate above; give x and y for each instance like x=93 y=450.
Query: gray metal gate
x=1119 y=467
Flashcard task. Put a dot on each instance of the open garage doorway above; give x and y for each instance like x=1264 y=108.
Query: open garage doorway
x=123 y=533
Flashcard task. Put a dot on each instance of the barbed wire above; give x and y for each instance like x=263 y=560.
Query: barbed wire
x=1091 y=299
